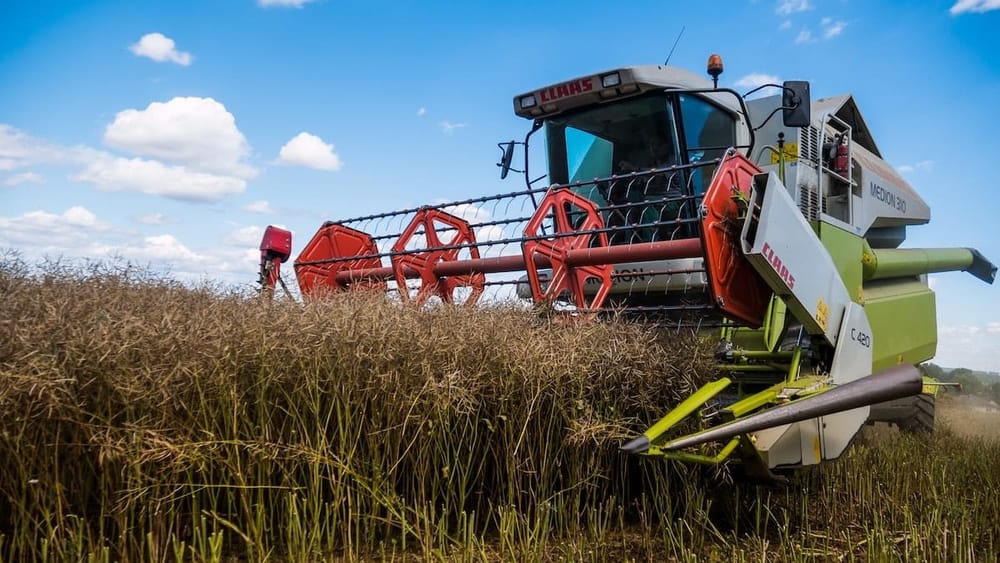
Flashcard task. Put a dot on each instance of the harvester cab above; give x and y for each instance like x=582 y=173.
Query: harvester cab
x=676 y=201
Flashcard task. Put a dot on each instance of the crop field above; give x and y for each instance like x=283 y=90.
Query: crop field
x=143 y=420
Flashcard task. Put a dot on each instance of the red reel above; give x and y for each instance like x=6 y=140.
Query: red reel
x=432 y=224
x=572 y=215
x=736 y=286
x=332 y=250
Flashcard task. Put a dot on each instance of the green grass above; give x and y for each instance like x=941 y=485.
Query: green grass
x=143 y=420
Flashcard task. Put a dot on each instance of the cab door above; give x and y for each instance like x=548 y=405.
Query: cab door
x=708 y=131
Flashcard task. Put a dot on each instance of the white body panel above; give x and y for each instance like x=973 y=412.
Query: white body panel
x=646 y=277
x=852 y=360
x=686 y=274
x=779 y=446
x=790 y=444
x=787 y=254
x=886 y=199
x=877 y=196
x=812 y=441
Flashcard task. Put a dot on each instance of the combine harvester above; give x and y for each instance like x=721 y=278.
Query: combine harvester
x=685 y=204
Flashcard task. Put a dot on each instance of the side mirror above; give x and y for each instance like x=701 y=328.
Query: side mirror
x=795 y=106
x=505 y=160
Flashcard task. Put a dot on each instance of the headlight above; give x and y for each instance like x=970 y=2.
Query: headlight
x=611 y=80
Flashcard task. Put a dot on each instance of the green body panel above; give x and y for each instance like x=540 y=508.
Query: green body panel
x=718 y=458
x=897 y=262
x=767 y=337
x=900 y=308
x=688 y=406
x=904 y=322
x=846 y=249
x=778 y=393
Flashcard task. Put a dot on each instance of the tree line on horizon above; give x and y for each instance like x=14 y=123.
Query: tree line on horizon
x=984 y=384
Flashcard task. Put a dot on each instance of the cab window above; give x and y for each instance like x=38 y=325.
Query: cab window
x=613 y=138
x=708 y=132
x=588 y=156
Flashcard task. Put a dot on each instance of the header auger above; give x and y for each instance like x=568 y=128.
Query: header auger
x=664 y=206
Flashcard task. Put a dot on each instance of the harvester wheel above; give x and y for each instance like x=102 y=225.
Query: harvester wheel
x=911 y=414
x=922 y=418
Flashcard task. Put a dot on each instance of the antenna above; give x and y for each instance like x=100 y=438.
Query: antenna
x=671 y=53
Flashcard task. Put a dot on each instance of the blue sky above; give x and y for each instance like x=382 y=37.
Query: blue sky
x=172 y=132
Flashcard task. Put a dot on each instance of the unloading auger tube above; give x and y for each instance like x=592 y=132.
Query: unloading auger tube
x=792 y=249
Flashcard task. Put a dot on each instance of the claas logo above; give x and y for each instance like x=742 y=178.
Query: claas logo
x=780 y=267
x=570 y=88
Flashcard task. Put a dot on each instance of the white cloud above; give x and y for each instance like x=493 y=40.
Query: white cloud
x=922 y=165
x=108 y=171
x=259 y=207
x=83 y=217
x=162 y=248
x=974 y=6
x=245 y=236
x=788 y=7
x=832 y=28
x=969 y=346
x=151 y=219
x=170 y=254
x=77 y=233
x=959 y=330
x=306 y=149
x=421 y=112
x=24 y=178
x=490 y=233
x=41 y=229
x=787 y=24
x=196 y=132
x=468 y=211
x=284 y=3
x=756 y=79
x=18 y=149
x=155 y=178
x=448 y=127
x=804 y=36
x=161 y=49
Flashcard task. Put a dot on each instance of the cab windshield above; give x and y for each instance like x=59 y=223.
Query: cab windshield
x=637 y=135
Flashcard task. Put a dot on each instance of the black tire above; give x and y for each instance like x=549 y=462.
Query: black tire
x=922 y=420
x=911 y=414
